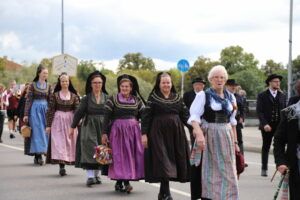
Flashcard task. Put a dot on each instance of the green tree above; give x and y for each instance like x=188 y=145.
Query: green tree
x=295 y=74
x=200 y=69
x=136 y=61
x=176 y=79
x=234 y=59
x=271 y=66
x=84 y=68
x=2 y=64
x=251 y=80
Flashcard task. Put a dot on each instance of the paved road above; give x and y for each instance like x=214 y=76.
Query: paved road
x=20 y=179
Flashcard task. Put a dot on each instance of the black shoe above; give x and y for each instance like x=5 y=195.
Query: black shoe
x=166 y=197
x=128 y=188
x=98 y=180
x=119 y=186
x=160 y=196
x=62 y=172
x=40 y=161
x=169 y=197
x=1 y=140
x=11 y=136
x=90 y=182
x=246 y=165
x=35 y=160
x=264 y=172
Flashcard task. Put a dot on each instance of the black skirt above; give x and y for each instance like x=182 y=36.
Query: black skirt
x=167 y=155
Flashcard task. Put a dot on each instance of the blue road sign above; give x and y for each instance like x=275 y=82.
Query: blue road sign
x=183 y=65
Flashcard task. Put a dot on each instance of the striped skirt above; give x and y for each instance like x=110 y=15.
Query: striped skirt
x=219 y=175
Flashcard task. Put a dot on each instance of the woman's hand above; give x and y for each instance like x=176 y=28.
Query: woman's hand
x=200 y=139
x=282 y=169
x=48 y=130
x=145 y=141
x=25 y=119
x=71 y=132
x=104 y=139
x=200 y=142
x=198 y=134
x=237 y=147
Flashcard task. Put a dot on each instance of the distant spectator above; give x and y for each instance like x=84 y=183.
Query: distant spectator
x=231 y=86
x=12 y=108
x=3 y=104
x=243 y=94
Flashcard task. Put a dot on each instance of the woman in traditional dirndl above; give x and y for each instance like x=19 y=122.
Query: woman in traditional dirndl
x=91 y=111
x=35 y=112
x=20 y=115
x=62 y=105
x=123 y=133
x=214 y=111
x=166 y=147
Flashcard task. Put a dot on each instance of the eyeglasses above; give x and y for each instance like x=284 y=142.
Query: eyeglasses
x=219 y=77
x=96 y=83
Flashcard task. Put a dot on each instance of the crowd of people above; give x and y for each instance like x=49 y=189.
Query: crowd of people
x=147 y=137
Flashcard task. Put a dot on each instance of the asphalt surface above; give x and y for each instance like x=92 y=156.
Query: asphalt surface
x=21 y=179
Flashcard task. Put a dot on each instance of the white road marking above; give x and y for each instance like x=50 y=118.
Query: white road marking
x=172 y=189
x=12 y=147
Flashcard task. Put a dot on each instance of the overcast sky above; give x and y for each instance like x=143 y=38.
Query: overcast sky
x=165 y=30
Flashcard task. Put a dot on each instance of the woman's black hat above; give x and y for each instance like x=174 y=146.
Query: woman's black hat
x=135 y=86
x=88 y=85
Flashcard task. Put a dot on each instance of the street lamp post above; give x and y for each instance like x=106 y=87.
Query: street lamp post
x=290 y=51
x=62 y=26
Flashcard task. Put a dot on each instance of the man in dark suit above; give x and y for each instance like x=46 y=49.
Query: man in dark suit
x=240 y=115
x=198 y=86
x=188 y=98
x=268 y=106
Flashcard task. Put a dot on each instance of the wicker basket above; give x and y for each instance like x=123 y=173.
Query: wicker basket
x=25 y=131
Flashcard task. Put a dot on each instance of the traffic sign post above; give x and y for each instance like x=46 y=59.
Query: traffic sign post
x=64 y=63
x=183 y=66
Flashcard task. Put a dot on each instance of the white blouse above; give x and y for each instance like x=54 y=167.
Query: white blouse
x=197 y=108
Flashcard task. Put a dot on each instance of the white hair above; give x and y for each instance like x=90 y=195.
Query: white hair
x=242 y=93
x=217 y=68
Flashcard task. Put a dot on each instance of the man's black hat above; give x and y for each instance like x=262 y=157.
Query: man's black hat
x=231 y=82
x=198 y=80
x=271 y=77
